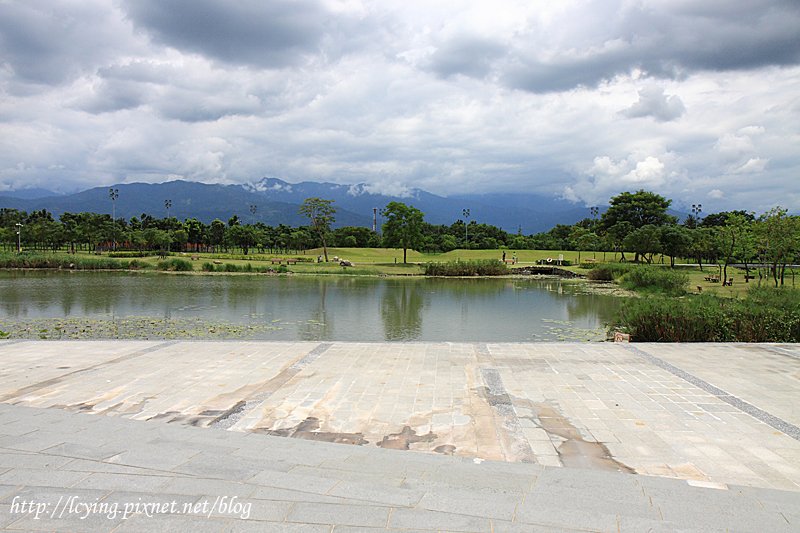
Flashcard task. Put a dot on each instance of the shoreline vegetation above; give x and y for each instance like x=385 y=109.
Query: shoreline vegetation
x=669 y=312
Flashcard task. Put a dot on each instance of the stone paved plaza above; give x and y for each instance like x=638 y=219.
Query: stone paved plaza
x=431 y=436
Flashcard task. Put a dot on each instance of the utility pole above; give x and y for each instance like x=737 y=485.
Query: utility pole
x=696 y=210
x=374 y=220
x=19 y=237
x=113 y=194
x=465 y=212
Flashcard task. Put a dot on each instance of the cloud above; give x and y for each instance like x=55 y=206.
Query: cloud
x=678 y=96
x=653 y=102
x=662 y=39
x=467 y=55
x=271 y=34
x=51 y=42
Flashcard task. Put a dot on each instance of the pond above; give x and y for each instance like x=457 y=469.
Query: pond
x=50 y=304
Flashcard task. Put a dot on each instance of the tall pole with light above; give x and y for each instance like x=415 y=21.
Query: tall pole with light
x=696 y=210
x=465 y=212
x=253 y=209
x=19 y=237
x=167 y=204
x=113 y=194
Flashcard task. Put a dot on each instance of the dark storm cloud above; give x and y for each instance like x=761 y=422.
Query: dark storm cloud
x=50 y=42
x=253 y=32
x=668 y=41
x=469 y=56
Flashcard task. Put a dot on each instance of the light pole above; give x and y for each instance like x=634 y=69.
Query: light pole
x=594 y=211
x=19 y=237
x=167 y=204
x=465 y=212
x=113 y=194
x=253 y=209
x=696 y=210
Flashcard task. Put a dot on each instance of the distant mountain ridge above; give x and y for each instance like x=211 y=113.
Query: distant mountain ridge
x=277 y=202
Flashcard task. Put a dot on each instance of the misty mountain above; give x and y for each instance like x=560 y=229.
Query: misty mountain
x=29 y=194
x=189 y=199
x=510 y=212
x=277 y=202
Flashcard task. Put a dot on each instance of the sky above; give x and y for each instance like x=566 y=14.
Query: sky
x=582 y=99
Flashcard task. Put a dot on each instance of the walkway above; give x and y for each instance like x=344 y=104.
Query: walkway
x=521 y=437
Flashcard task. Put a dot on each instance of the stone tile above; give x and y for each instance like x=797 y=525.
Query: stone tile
x=345 y=515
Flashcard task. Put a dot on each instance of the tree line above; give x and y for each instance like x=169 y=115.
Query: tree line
x=635 y=223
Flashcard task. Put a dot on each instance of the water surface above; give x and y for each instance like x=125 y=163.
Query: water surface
x=317 y=307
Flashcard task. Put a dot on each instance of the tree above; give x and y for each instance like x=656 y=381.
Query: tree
x=721 y=218
x=779 y=240
x=732 y=239
x=321 y=214
x=242 y=236
x=638 y=209
x=403 y=226
x=216 y=233
x=675 y=241
x=644 y=242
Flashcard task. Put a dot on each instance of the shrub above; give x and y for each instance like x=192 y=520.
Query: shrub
x=41 y=260
x=656 y=279
x=766 y=315
x=485 y=267
x=607 y=271
x=146 y=253
x=174 y=264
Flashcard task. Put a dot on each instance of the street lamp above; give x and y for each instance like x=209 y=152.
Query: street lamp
x=696 y=210
x=253 y=209
x=465 y=212
x=167 y=204
x=594 y=211
x=19 y=237
x=113 y=194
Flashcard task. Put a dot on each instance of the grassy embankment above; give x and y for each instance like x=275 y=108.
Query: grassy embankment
x=748 y=313
x=366 y=261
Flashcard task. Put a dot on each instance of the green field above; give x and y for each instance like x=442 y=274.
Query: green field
x=388 y=262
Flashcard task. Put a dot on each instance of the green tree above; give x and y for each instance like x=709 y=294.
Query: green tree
x=242 y=236
x=216 y=233
x=403 y=226
x=779 y=241
x=675 y=241
x=638 y=209
x=732 y=239
x=321 y=214
x=643 y=242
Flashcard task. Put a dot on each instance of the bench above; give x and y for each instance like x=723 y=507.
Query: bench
x=276 y=261
x=291 y=261
x=712 y=279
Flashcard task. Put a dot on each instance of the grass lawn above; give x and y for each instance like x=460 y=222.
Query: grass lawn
x=382 y=261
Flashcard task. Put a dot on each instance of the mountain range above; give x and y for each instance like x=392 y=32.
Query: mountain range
x=277 y=201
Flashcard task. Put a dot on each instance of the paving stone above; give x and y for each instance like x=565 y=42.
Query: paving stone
x=345 y=515
x=118 y=481
x=433 y=520
x=41 y=478
x=652 y=420
x=499 y=505
x=377 y=493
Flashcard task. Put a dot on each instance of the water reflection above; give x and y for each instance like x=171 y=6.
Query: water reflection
x=316 y=308
x=401 y=311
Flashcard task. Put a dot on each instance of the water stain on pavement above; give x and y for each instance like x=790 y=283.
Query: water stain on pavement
x=308 y=429
x=574 y=451
x=404 y=439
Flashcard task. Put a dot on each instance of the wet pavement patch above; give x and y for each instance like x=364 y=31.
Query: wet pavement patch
x=308 y=429
x=404 y=439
